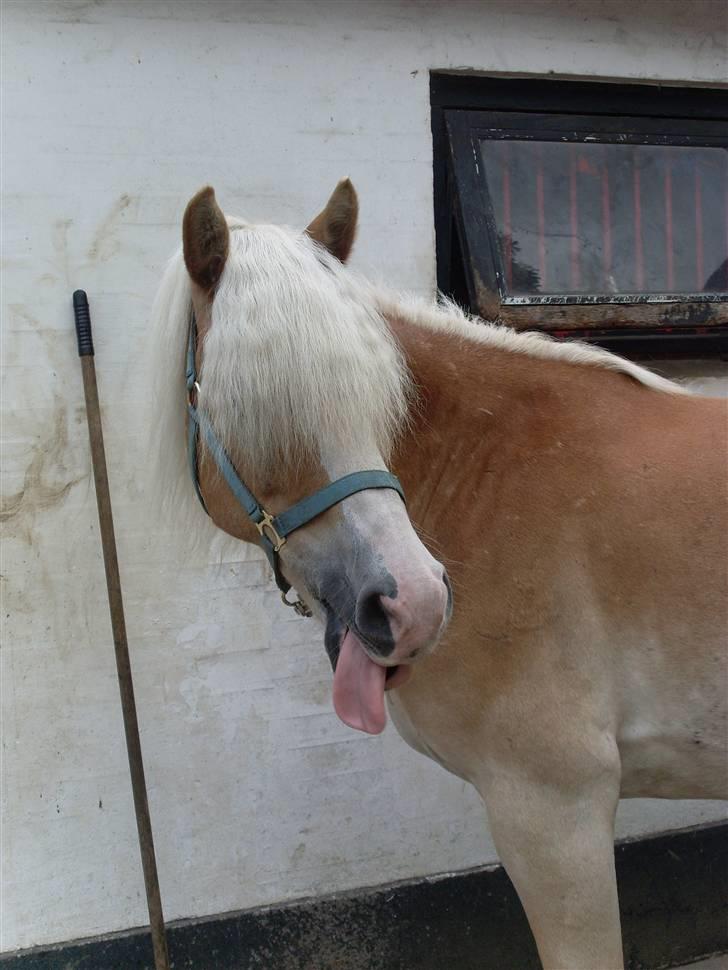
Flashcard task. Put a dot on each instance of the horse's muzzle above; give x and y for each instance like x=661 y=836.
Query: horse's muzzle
x=396 y=626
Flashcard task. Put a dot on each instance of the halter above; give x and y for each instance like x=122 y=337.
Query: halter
x=273 y=529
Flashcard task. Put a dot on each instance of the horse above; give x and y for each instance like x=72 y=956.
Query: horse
x=545 y=616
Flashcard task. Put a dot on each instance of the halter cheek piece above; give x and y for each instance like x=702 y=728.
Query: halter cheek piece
x=273 y=529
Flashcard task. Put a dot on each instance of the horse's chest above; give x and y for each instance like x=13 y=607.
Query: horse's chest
x=424 y=741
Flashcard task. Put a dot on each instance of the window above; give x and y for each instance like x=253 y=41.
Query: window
x=585 y=209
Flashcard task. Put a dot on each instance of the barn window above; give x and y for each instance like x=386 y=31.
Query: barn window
x=590 y=210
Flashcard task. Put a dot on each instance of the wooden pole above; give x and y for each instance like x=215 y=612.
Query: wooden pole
x=118 y=627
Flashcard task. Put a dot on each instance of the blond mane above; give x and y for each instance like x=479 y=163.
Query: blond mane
x=447 y=316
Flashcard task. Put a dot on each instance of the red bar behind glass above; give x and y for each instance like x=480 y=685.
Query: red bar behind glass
x=639 y=261
x=699 y=255
x=669 y=252
x=541 y=211
x=507 y=229
x=606 y=225
x=574 y=219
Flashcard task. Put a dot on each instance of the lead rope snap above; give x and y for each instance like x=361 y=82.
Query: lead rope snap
x=298 y=605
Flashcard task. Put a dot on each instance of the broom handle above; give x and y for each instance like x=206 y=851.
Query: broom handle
x=118 y=627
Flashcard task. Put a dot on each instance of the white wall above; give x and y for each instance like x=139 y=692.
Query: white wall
x=115 y=113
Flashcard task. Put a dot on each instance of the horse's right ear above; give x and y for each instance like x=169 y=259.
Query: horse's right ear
x=205 y=238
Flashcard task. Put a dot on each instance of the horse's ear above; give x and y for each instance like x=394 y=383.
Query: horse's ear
x=335 y=226
x=205 y=238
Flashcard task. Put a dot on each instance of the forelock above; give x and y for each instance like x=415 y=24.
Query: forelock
x=298 y=358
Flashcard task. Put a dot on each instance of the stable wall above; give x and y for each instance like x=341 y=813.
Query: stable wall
x=115 y=113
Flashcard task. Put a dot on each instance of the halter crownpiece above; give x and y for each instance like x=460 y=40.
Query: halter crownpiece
x=273 y=529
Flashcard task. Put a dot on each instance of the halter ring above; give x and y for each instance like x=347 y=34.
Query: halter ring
x=267 y=523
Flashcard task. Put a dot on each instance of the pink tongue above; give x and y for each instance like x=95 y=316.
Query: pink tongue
x=359 y=688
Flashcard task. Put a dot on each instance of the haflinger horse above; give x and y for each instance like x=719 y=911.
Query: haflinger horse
x=574 y=650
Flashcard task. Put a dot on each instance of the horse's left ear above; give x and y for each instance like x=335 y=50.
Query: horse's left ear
x=335 y=226
x=205 y=238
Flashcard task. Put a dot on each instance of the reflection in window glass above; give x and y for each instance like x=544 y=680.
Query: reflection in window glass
x=610 y=218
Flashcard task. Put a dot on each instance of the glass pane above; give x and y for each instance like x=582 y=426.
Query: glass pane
x=599 y=219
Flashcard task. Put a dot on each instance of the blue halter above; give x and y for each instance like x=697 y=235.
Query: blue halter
x=273 y=529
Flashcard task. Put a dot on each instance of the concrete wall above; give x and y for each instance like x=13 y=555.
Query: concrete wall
x=115 y=113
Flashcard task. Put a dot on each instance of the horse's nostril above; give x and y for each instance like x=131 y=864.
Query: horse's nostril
x=448 y=593
x=373 y=621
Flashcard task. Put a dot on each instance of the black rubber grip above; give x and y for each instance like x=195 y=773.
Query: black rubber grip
x=83 y=324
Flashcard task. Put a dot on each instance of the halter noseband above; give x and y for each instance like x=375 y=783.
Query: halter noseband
x=273 y=529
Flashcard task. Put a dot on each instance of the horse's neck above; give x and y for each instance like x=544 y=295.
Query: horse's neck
x=456 y=422
x=485 y=418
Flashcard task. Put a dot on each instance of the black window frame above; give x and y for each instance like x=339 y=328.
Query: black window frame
x=468 y=266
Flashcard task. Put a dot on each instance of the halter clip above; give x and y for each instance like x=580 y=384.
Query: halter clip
x=298 y=605
x=267 y=523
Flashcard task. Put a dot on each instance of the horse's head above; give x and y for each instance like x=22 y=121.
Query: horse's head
x=303 y=383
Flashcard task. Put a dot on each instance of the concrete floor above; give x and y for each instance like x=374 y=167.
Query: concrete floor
x=712 y=963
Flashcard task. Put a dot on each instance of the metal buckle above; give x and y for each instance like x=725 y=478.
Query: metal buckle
x=267 y=523
x=193 y=392
x=299 y=606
